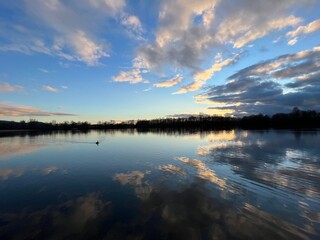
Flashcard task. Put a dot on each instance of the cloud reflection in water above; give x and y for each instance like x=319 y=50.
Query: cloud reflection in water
x=245 y=185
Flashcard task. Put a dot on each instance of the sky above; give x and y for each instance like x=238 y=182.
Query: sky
x=101 y=60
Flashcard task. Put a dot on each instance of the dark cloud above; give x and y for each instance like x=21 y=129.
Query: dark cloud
x=309 y=79
x=262 y=87
x=284 y=66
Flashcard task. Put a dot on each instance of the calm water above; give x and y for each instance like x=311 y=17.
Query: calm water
x=208 y=185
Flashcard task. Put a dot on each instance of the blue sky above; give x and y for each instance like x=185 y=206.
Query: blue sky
x=91 y=60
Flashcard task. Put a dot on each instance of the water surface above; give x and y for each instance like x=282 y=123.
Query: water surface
x=167 y=185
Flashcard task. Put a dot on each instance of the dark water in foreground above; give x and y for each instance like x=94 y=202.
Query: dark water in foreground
x=212 y=185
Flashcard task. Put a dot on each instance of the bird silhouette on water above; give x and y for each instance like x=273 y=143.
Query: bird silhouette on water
x=97 y=142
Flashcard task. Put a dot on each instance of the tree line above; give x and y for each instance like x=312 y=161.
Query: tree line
x=296 y=119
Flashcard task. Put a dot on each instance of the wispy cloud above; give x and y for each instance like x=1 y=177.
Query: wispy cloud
x=8 y=110
x=169 y=83
x=44 y=70
x=303 y=30
x=6 y=87
x=50 y=89
x=147 y=89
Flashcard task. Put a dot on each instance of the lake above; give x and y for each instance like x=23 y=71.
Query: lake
x=160 y=185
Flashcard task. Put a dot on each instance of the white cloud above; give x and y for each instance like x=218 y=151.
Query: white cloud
x=204 y=172
x=303 y=30
x=188 y=31
x=67 y=30
x=147 y=89
x=87 y=50
x=44 y=70
x=176 y=17
x=110 y=6
x=6 y=87
x=133 y=26
x=252 y=33
x=292 y=41
x=132 y=22
x=176 y=170
x=216 y=67
x=169 y=83
x=133 y=76
x=194 y=86
x=50 y=89
x=202 y=77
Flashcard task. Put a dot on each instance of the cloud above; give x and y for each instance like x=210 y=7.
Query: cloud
x=73 y=39
x=6 y=173
x=9 y=150
x=303 y=30
x=292 y=41
x=135 y=179
x=132 y=178
x=275 y=151
x=132 y=22
x=270 y=86
x=133 y=26
x=64 y=87
x=180 y=41
x=133 y=76
x=203 y=76
x=189 y=31
x=271 y=25
x=192 y=162
x=176 y=170
x=169 y=83
x=65 y=30
x=194 y=86
x=111 y=7
x=44 y=70
x=87 y=50
x=204 y=172
x=49 y=170
x=8 y=110
x=50 y=89
x=6 y=87
x=147 y=89
x=74 y=217
x=216 y=67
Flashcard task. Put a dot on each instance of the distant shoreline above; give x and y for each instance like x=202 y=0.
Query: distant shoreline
x=297 y=119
